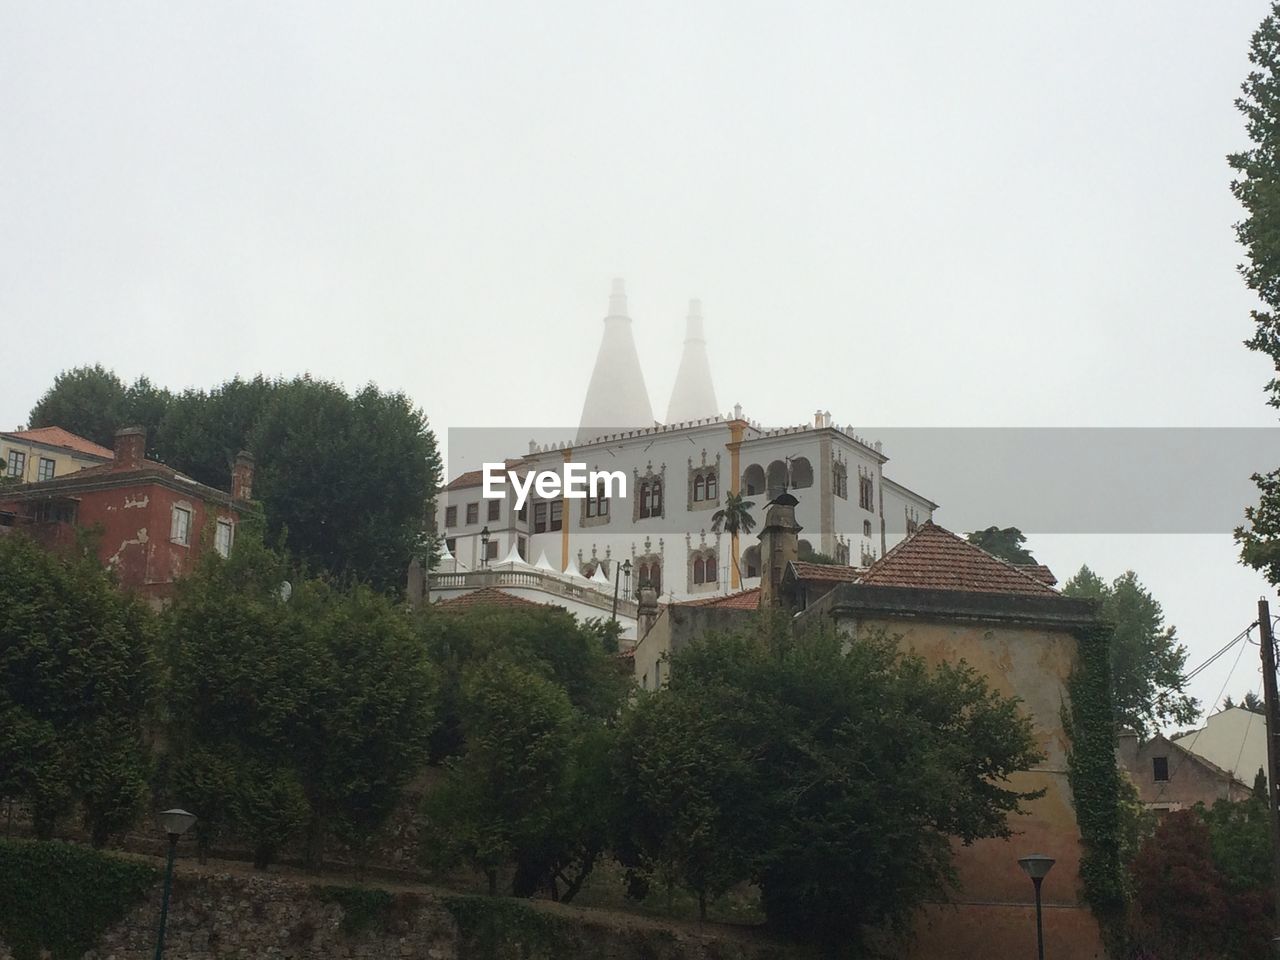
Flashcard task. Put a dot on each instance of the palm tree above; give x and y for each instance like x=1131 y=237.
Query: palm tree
x=734 y=518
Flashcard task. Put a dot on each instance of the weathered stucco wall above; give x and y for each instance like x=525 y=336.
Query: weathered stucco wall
x=255 y=916
x=995 y=901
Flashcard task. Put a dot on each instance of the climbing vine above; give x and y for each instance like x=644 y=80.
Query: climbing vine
x=1095 y=783
x=61 y=898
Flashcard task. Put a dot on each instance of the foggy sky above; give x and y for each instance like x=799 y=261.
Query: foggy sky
x=995 y=214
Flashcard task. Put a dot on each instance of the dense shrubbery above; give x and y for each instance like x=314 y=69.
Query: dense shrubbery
x=830 y=776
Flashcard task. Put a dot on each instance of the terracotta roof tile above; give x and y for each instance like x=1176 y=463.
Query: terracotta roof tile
x=1039 y=571
x=825 y=572
x=485 y=597
x=58 y=437
x=936 y=559
x=473 y=478
x=742 y=600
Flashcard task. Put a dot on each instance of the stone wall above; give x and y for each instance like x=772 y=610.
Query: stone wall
x=232 y=915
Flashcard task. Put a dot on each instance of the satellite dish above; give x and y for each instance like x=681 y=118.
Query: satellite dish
x=286 y=591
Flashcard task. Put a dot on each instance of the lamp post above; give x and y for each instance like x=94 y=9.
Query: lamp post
x=175 y=823
x=1037 y=866
x=484 y=546
x=625 y=568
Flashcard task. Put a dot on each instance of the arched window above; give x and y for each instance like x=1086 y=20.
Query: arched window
x=753 y=479
x=699 y=488
x=776 y=478
x=801 y=473
x=711 y=486
x=751 y=561
x=656 y=497
x=866 y=528
x=643 y=494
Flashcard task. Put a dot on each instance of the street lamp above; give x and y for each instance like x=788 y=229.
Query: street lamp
x=1037 y=866
x=175 y=823
x=484 y=546
x=625 y=568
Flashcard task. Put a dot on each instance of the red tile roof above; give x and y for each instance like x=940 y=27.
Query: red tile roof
x=936 y=559
x=57 y=437
x=485 y=597
x=473 y=478
x=742 y=600
x=825 y=572
x=1039 y=571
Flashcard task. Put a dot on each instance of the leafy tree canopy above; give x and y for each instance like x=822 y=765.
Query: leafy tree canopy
x=1006 y=543
x=1148 y=665
x=1257 y=188
x=757 y=787
x=77 y=675
x=346 y=480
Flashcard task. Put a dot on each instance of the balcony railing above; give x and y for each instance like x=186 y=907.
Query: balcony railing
x=534 y=580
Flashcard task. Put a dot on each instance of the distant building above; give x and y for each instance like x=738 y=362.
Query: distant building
x=45 y=453
x=1168 y=776
x=151 y=522
x=1235 y=740
x=678 y=475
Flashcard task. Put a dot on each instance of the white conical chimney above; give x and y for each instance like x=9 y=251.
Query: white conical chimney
x=616 y=397
x=693 y=396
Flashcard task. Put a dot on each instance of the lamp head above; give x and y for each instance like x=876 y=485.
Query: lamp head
x=484 y=534
x=1036 y=865
x=176 y=822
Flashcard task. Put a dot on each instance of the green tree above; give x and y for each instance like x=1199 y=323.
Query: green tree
x=1005 y=543
x=1250 y=701
x=508 y=792
x=77 y=684
x=734 y=518
x=835 y=854
x=370 y=710
x=546 y=641
x=1148 y=665
x=88 y=401
x=1257 y=188
x=202 y=431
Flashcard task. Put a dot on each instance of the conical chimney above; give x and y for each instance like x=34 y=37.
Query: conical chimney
x=616 y=397
x=694 y=396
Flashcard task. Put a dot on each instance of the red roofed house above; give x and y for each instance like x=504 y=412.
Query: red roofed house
x=152 y=521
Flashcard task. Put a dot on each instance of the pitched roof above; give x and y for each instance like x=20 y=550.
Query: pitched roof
x=1039 y=571
x=58 y=437
x=473 y=478
x=484 y=597
x=742 y=600
x=934 y=558
x=825 y=572
x=107 y=474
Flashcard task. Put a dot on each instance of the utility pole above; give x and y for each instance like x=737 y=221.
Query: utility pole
x=1273 y=748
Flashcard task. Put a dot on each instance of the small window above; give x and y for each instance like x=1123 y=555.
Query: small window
x=540 y=518
x=866 y=528
x=495 y=509
x=473 y=513
x=451 y=544
x=557 y=514
x=699 y=490
x=866 y=494
x=491 y=550
x=45 y=470
x=180 y=526
x=711 y=486
x=222 y=538
x=522 y=548
x=17 y=465
x=450 y=516
x=523 y=513
x=1160 y=769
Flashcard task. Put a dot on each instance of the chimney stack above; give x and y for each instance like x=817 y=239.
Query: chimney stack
x=617 y=398
x=242 y=476
x=130 y=448
x=779 y=545
x=646 y=610
x=693 y=397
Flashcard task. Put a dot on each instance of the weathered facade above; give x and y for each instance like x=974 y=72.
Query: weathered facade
x=151 y=523
x=1168 y=776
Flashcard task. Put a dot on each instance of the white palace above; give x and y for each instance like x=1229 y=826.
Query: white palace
x=574 y=552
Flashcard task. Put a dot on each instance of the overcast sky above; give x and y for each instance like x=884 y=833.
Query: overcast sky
x=990 y=214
